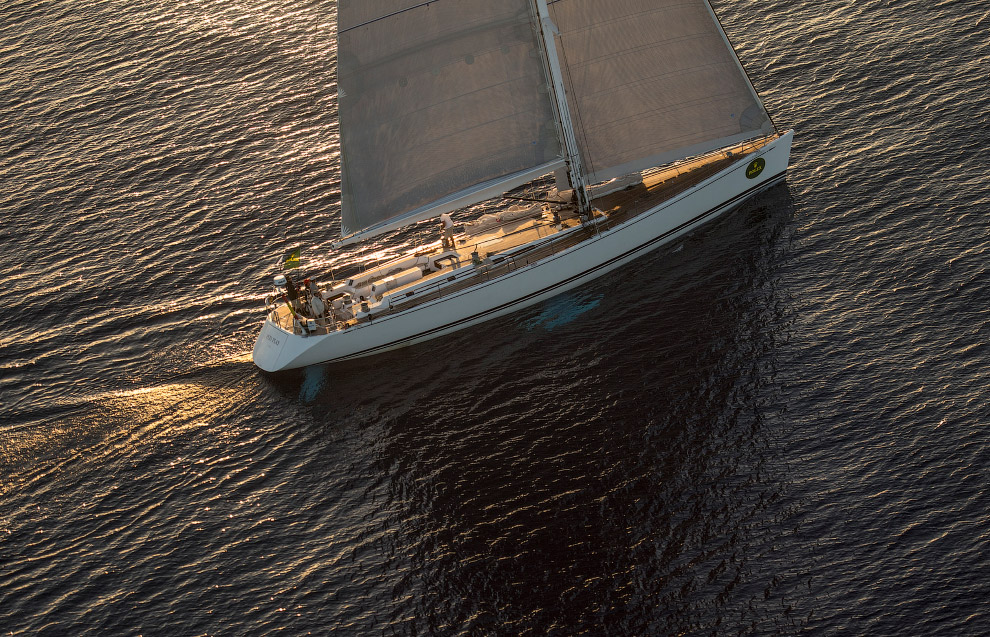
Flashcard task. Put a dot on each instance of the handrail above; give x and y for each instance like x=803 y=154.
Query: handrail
x=494 y=264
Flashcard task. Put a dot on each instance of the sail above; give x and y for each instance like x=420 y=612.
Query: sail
x=439 y=102
x=651 y=81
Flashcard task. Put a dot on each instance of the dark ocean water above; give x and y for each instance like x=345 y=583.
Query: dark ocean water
x=777 y=425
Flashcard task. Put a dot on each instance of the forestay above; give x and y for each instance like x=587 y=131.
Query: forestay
x=651 y=81
x=442 y=104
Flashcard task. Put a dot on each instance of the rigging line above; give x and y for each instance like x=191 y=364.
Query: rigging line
x=725 y=35
x=584 y=133
x=513 y=198
x=577 y=109
x=394 y=13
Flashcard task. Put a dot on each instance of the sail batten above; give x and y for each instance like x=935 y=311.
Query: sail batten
x=435 y=99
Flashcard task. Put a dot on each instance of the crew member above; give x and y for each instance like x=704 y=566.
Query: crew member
x=316 y=299
x=292 y=293
x=447 y=228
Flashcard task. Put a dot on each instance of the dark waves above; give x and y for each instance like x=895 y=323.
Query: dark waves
x=774 y=425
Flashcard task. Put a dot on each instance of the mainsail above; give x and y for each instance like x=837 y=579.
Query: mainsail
x=651 y=81
x=442 y=104
x=446 y=103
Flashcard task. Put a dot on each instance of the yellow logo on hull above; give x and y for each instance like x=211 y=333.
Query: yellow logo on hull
x=755 y=168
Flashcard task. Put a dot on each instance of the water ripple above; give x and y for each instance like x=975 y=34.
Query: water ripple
x=772 y=426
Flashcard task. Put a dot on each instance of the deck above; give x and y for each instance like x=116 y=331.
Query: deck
x=510 y=246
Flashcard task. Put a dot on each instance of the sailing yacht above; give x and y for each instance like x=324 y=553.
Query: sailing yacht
x=639 y=108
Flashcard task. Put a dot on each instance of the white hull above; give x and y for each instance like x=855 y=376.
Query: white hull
x=276 y=349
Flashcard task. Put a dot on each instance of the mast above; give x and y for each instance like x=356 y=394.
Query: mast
x=548 y=31
x=650 y=82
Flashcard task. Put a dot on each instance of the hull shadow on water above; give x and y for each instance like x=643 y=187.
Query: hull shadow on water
x=580 y=465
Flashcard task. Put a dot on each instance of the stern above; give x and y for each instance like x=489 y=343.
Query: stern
x=269 y=346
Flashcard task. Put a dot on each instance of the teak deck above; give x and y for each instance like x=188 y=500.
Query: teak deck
x=615 y=208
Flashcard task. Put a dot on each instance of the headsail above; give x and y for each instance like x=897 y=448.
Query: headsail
x=441 y=103
x=651 y=81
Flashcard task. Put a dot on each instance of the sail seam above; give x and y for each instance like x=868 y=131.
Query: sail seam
x=459 y=96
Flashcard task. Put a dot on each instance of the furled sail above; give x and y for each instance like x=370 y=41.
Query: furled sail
x=651 y=81
x=442 y=104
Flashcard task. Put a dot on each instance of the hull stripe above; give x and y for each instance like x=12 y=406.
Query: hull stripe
x=640 y=248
